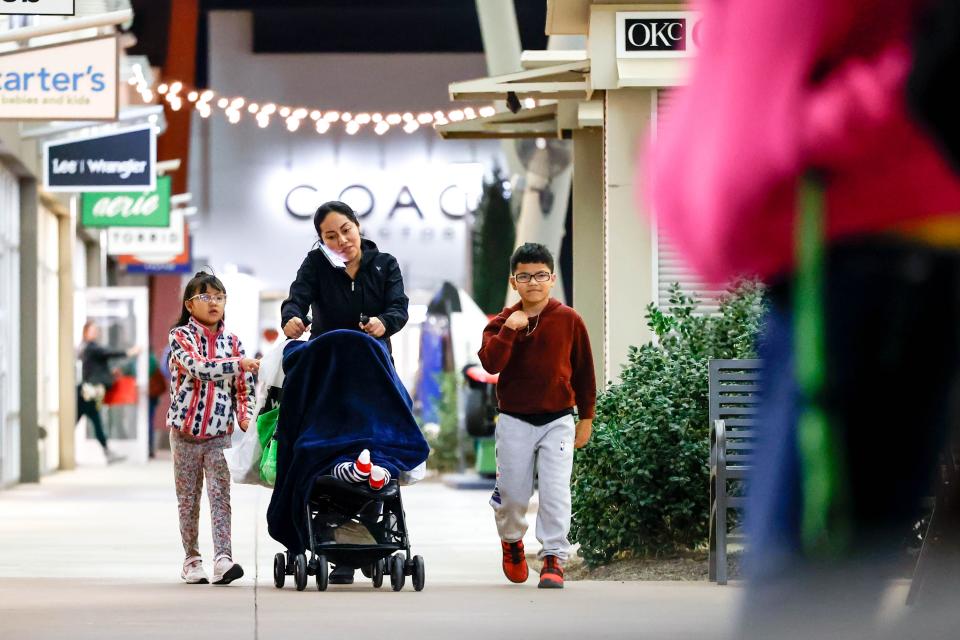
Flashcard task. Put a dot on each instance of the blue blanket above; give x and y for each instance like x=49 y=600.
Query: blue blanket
x=341 y=394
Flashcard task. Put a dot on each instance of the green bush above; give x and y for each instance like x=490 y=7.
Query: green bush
x=641 y=487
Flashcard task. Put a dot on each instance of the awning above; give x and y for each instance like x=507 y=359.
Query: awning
x=555 y=82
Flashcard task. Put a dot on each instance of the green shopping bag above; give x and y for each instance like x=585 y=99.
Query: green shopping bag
x=266 y=429
x=268 y=463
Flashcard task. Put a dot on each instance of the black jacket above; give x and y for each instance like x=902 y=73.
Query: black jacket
x=96 y=363
x=336 y=302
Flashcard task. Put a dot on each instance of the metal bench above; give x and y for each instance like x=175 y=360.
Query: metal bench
x=734 y=395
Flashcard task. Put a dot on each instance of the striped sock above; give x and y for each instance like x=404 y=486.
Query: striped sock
x=355 y=472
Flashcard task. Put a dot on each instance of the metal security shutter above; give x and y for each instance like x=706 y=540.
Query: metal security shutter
x=670 y=265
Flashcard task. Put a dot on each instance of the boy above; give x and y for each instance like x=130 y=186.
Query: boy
x=541 y=350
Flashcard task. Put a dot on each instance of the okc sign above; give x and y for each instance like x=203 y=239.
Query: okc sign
x=657 y=34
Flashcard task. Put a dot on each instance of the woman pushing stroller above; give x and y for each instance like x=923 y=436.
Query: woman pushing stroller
x=346 y=283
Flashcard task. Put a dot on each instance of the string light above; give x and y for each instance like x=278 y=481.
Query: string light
x=324 y=120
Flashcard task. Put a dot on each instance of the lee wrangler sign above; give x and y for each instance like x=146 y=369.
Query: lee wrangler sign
x=657 y=34
x=143 y=209
x=73 y=81
x=38 y=7
x=122 y=160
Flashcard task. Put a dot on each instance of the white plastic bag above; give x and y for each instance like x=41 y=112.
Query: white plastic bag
x=243 y=457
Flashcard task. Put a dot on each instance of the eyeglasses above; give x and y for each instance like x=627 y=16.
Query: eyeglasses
x=539 y=276
x=220 y=298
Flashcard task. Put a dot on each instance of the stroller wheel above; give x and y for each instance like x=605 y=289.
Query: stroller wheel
x=279 y=570
x=300 y=571
x=323 y=574
x=396 y=573
x=378 y=573
x=418 y=573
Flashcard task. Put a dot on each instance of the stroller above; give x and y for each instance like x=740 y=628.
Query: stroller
x=343 y=378
x=335 y=502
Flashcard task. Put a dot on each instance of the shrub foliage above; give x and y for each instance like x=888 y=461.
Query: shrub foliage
x=641 y=486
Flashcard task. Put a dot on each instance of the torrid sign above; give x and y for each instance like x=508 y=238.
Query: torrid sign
x=657 y=34
x=38 y=7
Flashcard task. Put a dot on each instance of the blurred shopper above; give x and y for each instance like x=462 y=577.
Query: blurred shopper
x=541 y=350
x=156 y=387
x=211 y=387
x=782 y=91
x=96 y=377
x=347 y=283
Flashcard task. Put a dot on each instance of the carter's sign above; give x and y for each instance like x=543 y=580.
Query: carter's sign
x=657 y=34
x=38 y=7
x=72 y=81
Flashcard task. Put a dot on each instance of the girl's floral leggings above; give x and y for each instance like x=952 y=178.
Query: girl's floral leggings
x=192 y=461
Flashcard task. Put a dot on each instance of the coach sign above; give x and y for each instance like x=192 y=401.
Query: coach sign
x=38 y=7
x=122 y=160
x=73 y=81
x=657 y=34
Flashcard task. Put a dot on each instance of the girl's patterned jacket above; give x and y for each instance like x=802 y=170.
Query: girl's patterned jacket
x=207 y=386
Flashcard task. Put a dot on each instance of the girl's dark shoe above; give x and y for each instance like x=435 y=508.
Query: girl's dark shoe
x=341 y=575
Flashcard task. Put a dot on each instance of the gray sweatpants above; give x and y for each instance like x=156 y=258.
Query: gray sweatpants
x=522 y=450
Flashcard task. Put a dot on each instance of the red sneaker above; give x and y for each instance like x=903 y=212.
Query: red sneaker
x=514 y=562
x=551 y=575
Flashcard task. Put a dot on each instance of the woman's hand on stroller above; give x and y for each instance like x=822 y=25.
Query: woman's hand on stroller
x=374 y=327
x=249 y=365
x=294 y=328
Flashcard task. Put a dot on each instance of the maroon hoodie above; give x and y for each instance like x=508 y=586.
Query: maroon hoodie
x=545 y=368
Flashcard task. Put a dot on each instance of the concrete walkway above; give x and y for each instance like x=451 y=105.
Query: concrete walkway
x=96 y=554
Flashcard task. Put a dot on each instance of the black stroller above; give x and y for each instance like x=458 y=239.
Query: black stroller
x=334 y=503
x=342 y=392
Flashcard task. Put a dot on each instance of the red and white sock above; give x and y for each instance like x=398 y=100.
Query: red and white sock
x=362 y=464
x=379 y=477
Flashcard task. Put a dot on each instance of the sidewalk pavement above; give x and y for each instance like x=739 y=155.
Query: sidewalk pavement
x=95 y=553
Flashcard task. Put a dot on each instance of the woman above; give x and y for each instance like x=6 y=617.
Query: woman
x=97 y=377
x=365 y=294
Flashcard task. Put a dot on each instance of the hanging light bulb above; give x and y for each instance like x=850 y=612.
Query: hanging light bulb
x=284 y=112
x=407 y=117
x=315 y=115
x=161 y=89
x=293 y=124
x=469 y=113
x=377 y=117
x=207 y=95
x=456 y=115
x=394 y=119
x=175 y=87
x=222 y=103
x=192 y=96
x=237 y=103
x=268 y=109
x=411 y=126
x=233 y=116
x=352 y=127
x=529 y=103
x=425 y=118
x=262 y=120
x=486 y=112
x=381 y=128
x=331 y=116
x=362 y=118
x=253 y=107
x=346 y=116
x=322 y=126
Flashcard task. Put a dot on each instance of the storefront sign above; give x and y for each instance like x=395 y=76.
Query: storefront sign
x=166 y=241
x=657 y=34
x=159 y=264
x=136 y=209
x=120 y=161
x=73 y=81
x=38 y=7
